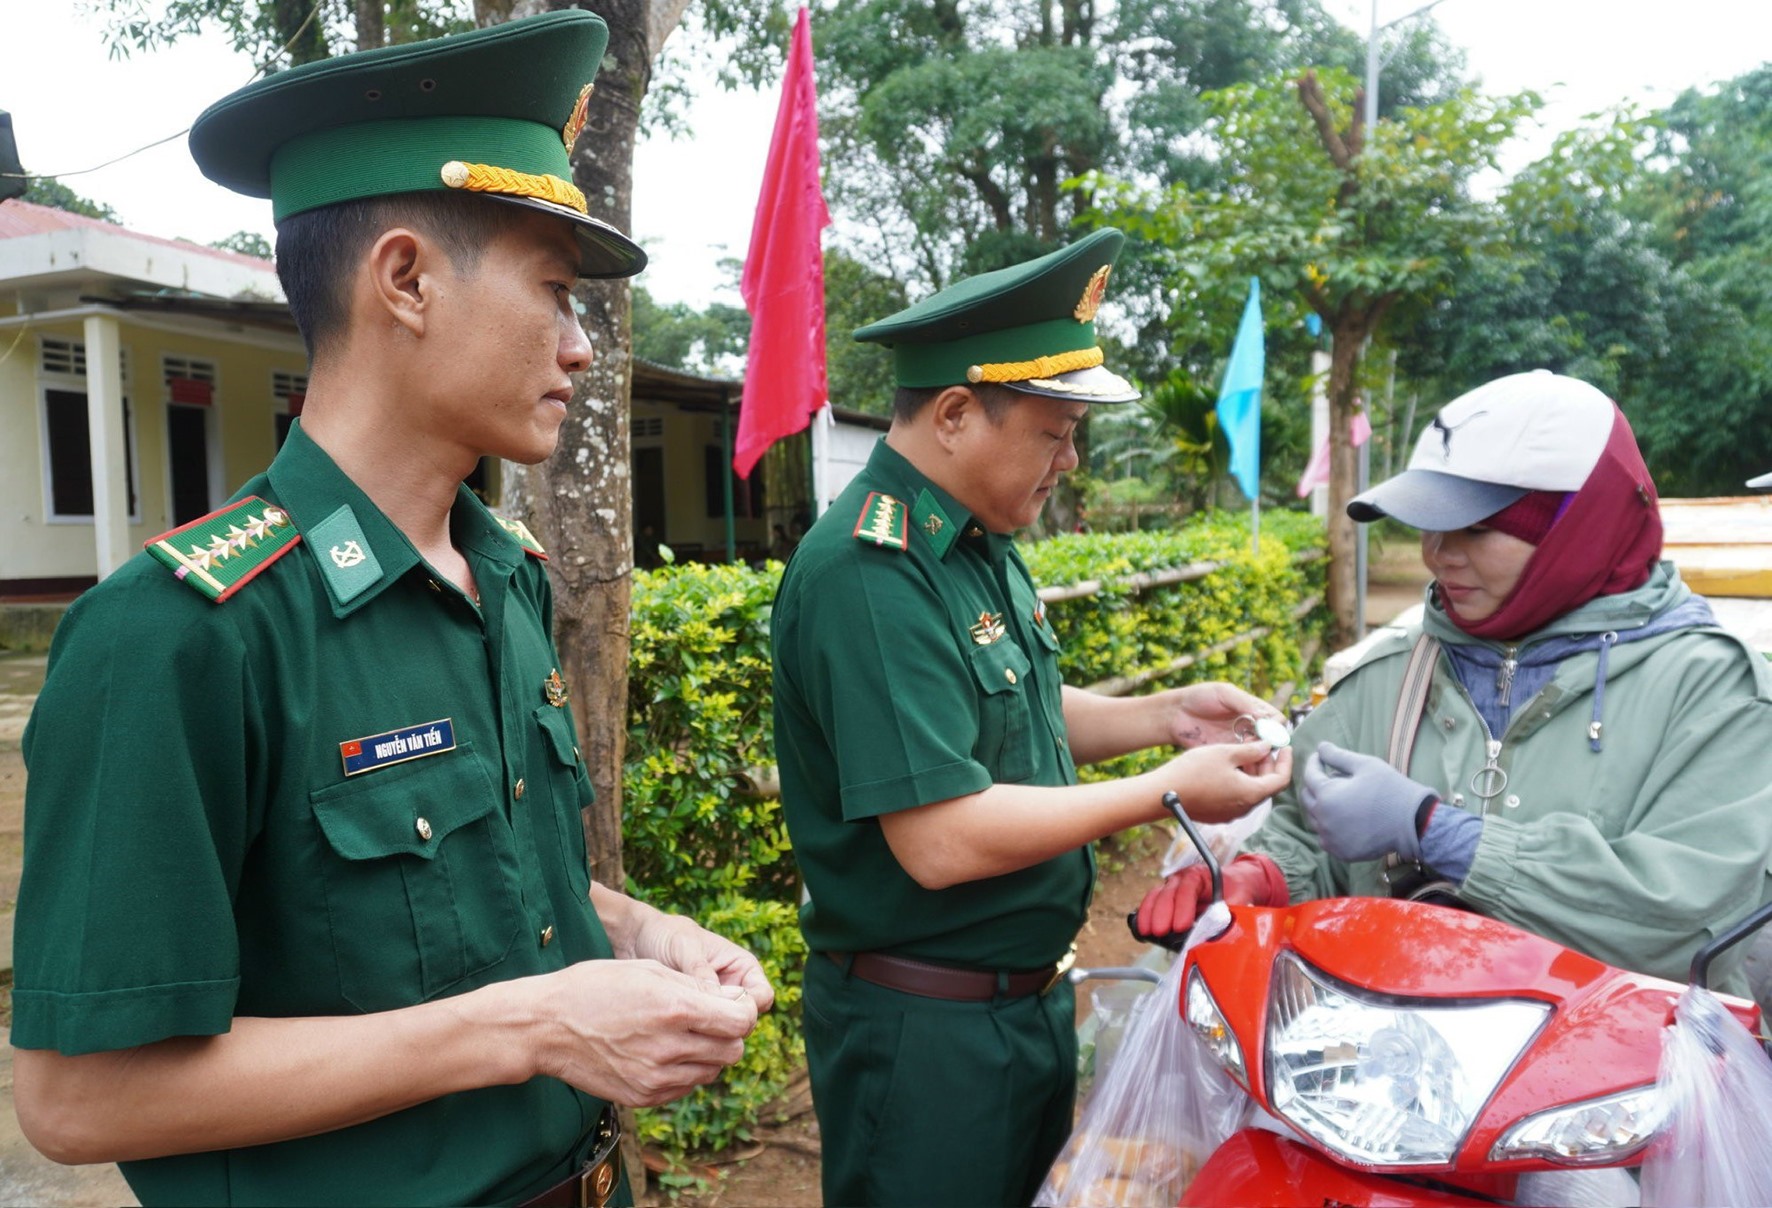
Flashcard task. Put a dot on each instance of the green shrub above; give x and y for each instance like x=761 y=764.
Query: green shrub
x=697 y=838
x=700 y=840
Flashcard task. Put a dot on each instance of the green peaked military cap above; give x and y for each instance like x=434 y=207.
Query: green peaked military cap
x=1030 y=326
x=493 y=112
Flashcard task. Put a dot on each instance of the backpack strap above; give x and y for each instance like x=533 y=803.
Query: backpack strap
x=1412 y=700
x=1410 y=878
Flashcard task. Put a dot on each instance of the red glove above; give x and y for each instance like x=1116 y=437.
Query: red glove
x=1167 y=913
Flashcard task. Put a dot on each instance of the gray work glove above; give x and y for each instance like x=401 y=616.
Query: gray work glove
x=1362 y=807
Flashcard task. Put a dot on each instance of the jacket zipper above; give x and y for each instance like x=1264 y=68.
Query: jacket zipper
x=1504 y=678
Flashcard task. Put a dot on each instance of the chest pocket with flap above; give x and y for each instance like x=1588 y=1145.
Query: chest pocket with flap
x=1005 y=734
x=421 y=878
x=571 y=787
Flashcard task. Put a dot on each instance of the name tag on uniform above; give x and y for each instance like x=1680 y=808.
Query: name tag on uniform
x=397 y=746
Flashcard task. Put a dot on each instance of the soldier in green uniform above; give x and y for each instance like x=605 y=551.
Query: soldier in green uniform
x=928 y=753
x=305 y=915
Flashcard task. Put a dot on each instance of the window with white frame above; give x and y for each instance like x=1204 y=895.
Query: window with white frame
x=67 y=434
x=291 y=391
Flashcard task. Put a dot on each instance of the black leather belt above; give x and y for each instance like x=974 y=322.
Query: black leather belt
x=591 y=1185
x=946 y=982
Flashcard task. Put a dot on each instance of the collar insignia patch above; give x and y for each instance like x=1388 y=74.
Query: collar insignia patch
x=397 y=746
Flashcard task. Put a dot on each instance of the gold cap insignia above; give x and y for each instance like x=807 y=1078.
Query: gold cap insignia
x=581 y=109
x=988 y=628
x=1093 y=293
x=554 y=689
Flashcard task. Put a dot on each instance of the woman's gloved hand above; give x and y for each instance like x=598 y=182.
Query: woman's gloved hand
x=1362 y=807
x=1168 y=912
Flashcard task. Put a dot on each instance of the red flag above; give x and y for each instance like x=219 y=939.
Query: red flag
x=783 y=282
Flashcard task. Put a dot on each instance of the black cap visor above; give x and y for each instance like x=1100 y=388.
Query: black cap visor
x=604 y=252
x=1433 y=502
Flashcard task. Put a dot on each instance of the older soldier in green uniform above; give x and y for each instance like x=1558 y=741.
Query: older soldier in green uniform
x=305 y=915
x=928 y=753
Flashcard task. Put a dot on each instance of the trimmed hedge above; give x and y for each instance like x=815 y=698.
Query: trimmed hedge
x=700 y=839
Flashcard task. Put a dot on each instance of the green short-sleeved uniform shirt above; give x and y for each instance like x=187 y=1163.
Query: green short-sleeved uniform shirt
x=196 y=850
x=914 y=663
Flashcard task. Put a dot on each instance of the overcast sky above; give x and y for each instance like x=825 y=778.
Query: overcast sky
x=73 y=107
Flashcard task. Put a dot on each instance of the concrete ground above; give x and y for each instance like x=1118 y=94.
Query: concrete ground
x=27 y=1177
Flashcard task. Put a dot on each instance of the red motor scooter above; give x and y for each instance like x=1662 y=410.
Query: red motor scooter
x=1407 y=1054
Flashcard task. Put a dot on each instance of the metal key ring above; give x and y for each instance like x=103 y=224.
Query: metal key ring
x=1489 y=776
x=1243 y=728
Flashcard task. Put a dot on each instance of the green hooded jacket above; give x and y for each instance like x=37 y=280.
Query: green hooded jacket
x=1636 y=853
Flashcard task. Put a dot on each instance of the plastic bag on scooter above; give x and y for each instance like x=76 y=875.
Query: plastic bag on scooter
x=1159 y=1111
x=1714 y=1146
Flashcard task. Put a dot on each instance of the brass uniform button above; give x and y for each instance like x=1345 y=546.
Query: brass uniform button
x=1009 y=674
x=423 y=827
x=517 y=789
x=547 y=935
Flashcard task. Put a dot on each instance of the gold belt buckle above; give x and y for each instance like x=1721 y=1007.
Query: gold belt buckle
x=1064 y=967
x=596 y=1182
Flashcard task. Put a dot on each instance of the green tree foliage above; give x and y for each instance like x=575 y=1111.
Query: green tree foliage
x=1635 y=260
x=1350 y=223
x=48 y=191
x=247 y=243
x=280 y=33
x=674 y=334
x=950 y=129
x=860 y=375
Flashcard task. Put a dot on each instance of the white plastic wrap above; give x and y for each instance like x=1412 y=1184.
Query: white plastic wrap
x=1224 y=838
x=1714 y=1146
x=1156 y=1114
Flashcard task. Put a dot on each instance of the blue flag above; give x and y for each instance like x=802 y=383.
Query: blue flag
x=1239 y=399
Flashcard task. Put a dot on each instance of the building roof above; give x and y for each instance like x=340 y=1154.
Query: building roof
x=19 y=218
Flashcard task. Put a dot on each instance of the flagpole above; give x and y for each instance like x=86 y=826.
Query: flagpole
x=822 y=425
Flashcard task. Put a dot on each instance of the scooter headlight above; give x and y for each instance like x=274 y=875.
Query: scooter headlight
x=1606 y=1131
x=1208 y=1023
x=1384 y=1080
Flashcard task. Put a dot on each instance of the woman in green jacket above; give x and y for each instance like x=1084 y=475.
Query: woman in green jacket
x=1584 y=753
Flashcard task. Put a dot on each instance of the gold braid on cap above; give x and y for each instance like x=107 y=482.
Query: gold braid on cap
x=1039 y=367
x=488 y=178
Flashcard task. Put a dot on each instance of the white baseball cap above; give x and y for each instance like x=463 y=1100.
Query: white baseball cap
x=1537 y=431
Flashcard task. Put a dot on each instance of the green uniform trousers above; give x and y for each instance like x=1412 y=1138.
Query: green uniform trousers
x=929 y=1102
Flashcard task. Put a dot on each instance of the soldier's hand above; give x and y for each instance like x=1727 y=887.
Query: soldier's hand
x=1207 y=713
x=637 y=1033
x=682 y=944
x=1224 y=781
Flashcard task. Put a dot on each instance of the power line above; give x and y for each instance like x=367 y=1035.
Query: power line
x=259 y=72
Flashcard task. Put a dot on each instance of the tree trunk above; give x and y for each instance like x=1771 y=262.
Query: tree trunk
x=371 y=24
x=587 y=523
x=1344 y=362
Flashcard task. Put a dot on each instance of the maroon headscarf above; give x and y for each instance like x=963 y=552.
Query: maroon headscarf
x=1606 y=540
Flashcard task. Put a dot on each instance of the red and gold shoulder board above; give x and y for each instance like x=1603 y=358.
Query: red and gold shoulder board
x=219 y=553
x=883 y=522
x=520 y=532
